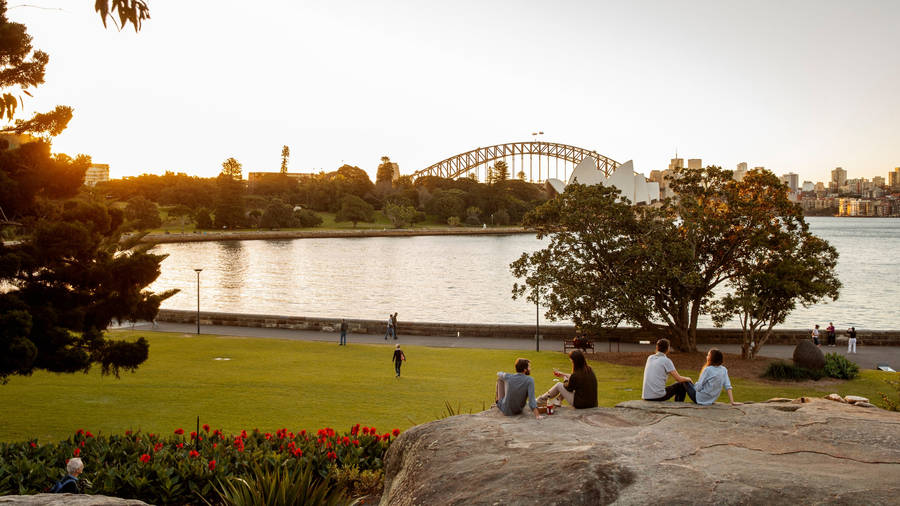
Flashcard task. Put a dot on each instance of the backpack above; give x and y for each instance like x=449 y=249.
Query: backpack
x=58 y=486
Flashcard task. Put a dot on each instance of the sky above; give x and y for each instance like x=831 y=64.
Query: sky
x=794 y=86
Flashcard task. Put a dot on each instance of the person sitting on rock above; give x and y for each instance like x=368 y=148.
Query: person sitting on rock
x=659 y=367
x=69 y=484
x=514 y=390
x=579 y=389
x=713 y=378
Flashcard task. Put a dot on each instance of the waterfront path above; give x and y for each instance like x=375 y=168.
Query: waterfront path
x=867 y=357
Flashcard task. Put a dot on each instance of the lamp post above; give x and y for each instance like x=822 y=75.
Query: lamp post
x=198 y=299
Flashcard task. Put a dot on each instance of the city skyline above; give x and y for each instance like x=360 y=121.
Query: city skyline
x=803 y=88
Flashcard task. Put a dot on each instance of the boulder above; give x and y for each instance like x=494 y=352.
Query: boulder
x=854 y=399
x=808 y=355
x=835 y=397
x=652 y=453
x=68 y=500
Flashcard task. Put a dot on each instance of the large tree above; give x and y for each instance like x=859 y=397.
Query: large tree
x=657 y=268
x=69 y=274
x=230 y=196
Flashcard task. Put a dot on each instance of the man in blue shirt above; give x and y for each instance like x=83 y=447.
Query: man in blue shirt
x=514 y=390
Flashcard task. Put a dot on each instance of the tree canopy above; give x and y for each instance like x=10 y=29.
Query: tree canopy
x=661 y=267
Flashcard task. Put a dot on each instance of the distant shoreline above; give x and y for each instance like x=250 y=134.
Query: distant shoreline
x=325 y=234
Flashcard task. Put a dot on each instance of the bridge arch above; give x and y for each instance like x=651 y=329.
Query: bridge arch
x=475 y=160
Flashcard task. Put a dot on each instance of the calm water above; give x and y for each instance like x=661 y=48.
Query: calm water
x=467 y=278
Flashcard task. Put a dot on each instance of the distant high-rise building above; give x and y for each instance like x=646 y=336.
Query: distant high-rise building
x=894 y=178
x=792 y=180
x=676 y=163
x=820 y=186
x=759 y=168
x=878 y=182
x=808 y=186
x=740 y=171
x=839 y=177
x=695 y=163
x=96 y=173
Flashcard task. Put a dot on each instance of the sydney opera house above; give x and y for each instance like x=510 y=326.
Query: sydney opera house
x=634 y=186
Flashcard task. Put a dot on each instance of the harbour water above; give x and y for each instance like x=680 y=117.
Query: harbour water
x=467 y=279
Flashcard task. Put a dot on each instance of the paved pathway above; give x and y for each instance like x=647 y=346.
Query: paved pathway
x=867 y=357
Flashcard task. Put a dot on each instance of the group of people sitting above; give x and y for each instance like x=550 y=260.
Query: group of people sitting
x=579 y=389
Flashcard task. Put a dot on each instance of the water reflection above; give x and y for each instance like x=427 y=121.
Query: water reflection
x=467 y=278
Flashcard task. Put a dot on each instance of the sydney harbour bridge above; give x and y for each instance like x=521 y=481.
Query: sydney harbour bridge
x=533 y=161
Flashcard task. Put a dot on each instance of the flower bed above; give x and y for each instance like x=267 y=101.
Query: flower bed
x=182 y=468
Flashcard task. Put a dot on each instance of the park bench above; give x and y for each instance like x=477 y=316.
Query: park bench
x=584 y=345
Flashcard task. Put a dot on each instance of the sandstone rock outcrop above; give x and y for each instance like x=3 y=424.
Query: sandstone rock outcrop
x=808 y=355
x=640 y=452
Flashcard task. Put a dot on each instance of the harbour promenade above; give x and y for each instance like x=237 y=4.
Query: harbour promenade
x=868 y=357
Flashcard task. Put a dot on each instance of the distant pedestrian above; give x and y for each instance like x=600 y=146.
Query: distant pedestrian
x=69 y=484
x=830 y=332
x=398 y=359
x=815 y=335
x=390 y=327
x=851 y=341
x=343 y=332
x=394 y=318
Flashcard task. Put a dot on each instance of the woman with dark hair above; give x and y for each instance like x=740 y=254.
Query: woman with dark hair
x=579 y=389
x=713 y=378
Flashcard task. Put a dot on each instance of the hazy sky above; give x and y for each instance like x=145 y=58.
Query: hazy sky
x=801 y=86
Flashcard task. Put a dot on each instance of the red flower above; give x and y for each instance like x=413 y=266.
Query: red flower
x=179 y=431
x=81 y=444
x=212 y=465
x=330 y=431
x=386 y=436
x=152 y=435
x=328 y=444
x=80 y=432
x=268 y=436
x=215 y=445
x=345 y=440
x=303 y=432
x=373 y=431
x=145 y=458
x=206 y=429
x=180 y=445
x=193 y=435
x=331 y=455
x=356 y=442
x=396 y=432
x=365 y=430
x=33 y=445
x=88 y=434
x=290 y=435
x=157 y=447
x=128 y=432
x=243 y=434
x=77 y=452
x=194 y=454
x=355 y=430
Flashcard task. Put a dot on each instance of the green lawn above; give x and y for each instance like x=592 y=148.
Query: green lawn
x=269 y=384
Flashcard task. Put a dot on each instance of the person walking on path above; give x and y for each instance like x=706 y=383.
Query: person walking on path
x=390 y=327
x=398 y=359
x=343 y=341
x=851 y=341
x=830 y=332
x=815 y=335
x=394 y=326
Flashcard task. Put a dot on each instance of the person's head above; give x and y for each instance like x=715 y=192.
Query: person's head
x=662 y=345
x=715 y=357
x=853 y=329
x=831 y=324
x=74 y=467
x=578 y=361
x=397 y=347
x=817 y=325
x=523 y=365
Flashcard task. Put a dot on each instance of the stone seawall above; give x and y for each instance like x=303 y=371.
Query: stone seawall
x=250 y=235
x=549 y=332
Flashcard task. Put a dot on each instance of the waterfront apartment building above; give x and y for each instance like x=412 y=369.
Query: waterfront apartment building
x=792 y=180
x=96 y=173
x=868 y=207
x=894 y=178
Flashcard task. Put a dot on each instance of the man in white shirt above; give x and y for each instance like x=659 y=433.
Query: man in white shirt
x=658 y=369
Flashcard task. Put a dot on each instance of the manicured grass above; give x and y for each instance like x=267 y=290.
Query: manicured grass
x=270 y=384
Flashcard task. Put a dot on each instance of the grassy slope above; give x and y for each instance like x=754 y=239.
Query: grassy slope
x=271 y=384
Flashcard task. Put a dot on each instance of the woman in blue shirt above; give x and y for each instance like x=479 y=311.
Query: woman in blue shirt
x=713 y=379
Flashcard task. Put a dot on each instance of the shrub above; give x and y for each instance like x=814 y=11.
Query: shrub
x=453 y=221
x=838 y=366
x=182 y=468
x=289 y=482
x=886 y=401
x=307 y=218
x=782 y=371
